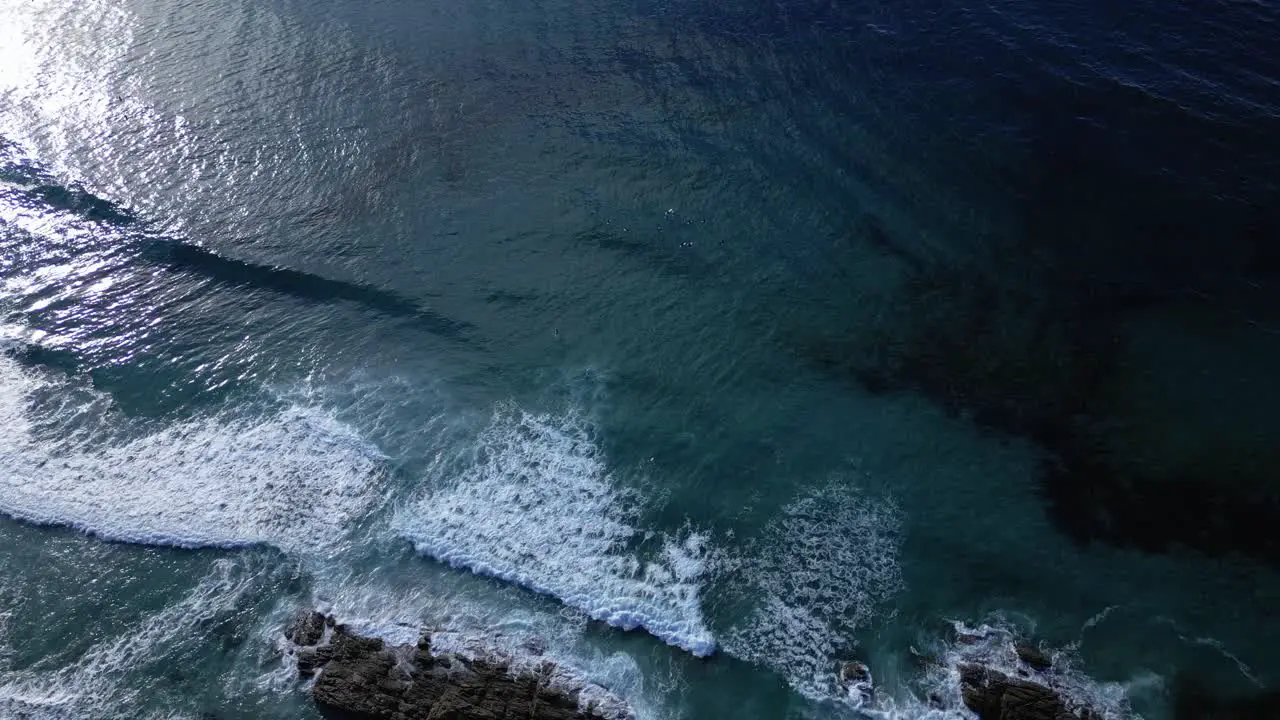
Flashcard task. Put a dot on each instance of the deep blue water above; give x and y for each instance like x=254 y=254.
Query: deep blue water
x=778 y=334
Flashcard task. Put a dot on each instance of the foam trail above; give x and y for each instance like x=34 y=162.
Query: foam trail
x=96 y=685
x=1217 y=645
x=1098 y=617
x=295 y=479
x=1243 y=667
x=822 y=570
x=537 y=506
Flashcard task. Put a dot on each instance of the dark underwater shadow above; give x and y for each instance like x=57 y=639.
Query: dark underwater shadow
x=1124 y=207
x=1194 y=701
x=184 y=257
x=35 y=189
x=1137 y=207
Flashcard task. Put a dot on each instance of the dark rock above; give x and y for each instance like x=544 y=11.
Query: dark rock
x=361 y=678
x=923 y=659
x=307 y=628
x=856 y=680
x=311 y=659
x=996 y=696
x=854 y=671
x=1034 y=657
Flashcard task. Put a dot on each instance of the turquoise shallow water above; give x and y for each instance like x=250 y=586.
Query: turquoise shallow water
x=547 y=320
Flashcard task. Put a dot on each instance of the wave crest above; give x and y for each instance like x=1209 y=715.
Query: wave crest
x=535 y=504
x=295 y=479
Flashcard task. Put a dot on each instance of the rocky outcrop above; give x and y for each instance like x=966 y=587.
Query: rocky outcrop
x=994 y=695
x=857 y=683
x=1033 y=656
x=307 y=628
x=363 y=678
x=1004 y=676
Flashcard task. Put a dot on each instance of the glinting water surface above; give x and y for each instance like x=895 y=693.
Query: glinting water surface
x=706 y=346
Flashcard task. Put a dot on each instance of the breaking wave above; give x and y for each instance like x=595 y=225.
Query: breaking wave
x=295 y=479
x=534 y=504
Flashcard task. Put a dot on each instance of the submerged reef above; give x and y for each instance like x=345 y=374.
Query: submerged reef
x=1118 y=306
x=1137 y=360
x=1195 y=701
x=1153 y=421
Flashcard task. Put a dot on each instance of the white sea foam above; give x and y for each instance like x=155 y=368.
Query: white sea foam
x=98 y=685
x=824 y=567
x=1218 y=646
x=535 y=504
x=6 y=649
x=295 y=479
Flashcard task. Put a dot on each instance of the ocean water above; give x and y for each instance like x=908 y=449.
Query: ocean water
x=700 y=346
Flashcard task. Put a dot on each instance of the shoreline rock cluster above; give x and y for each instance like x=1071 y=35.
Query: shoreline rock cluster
x=358 y=677
x=362 y=678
